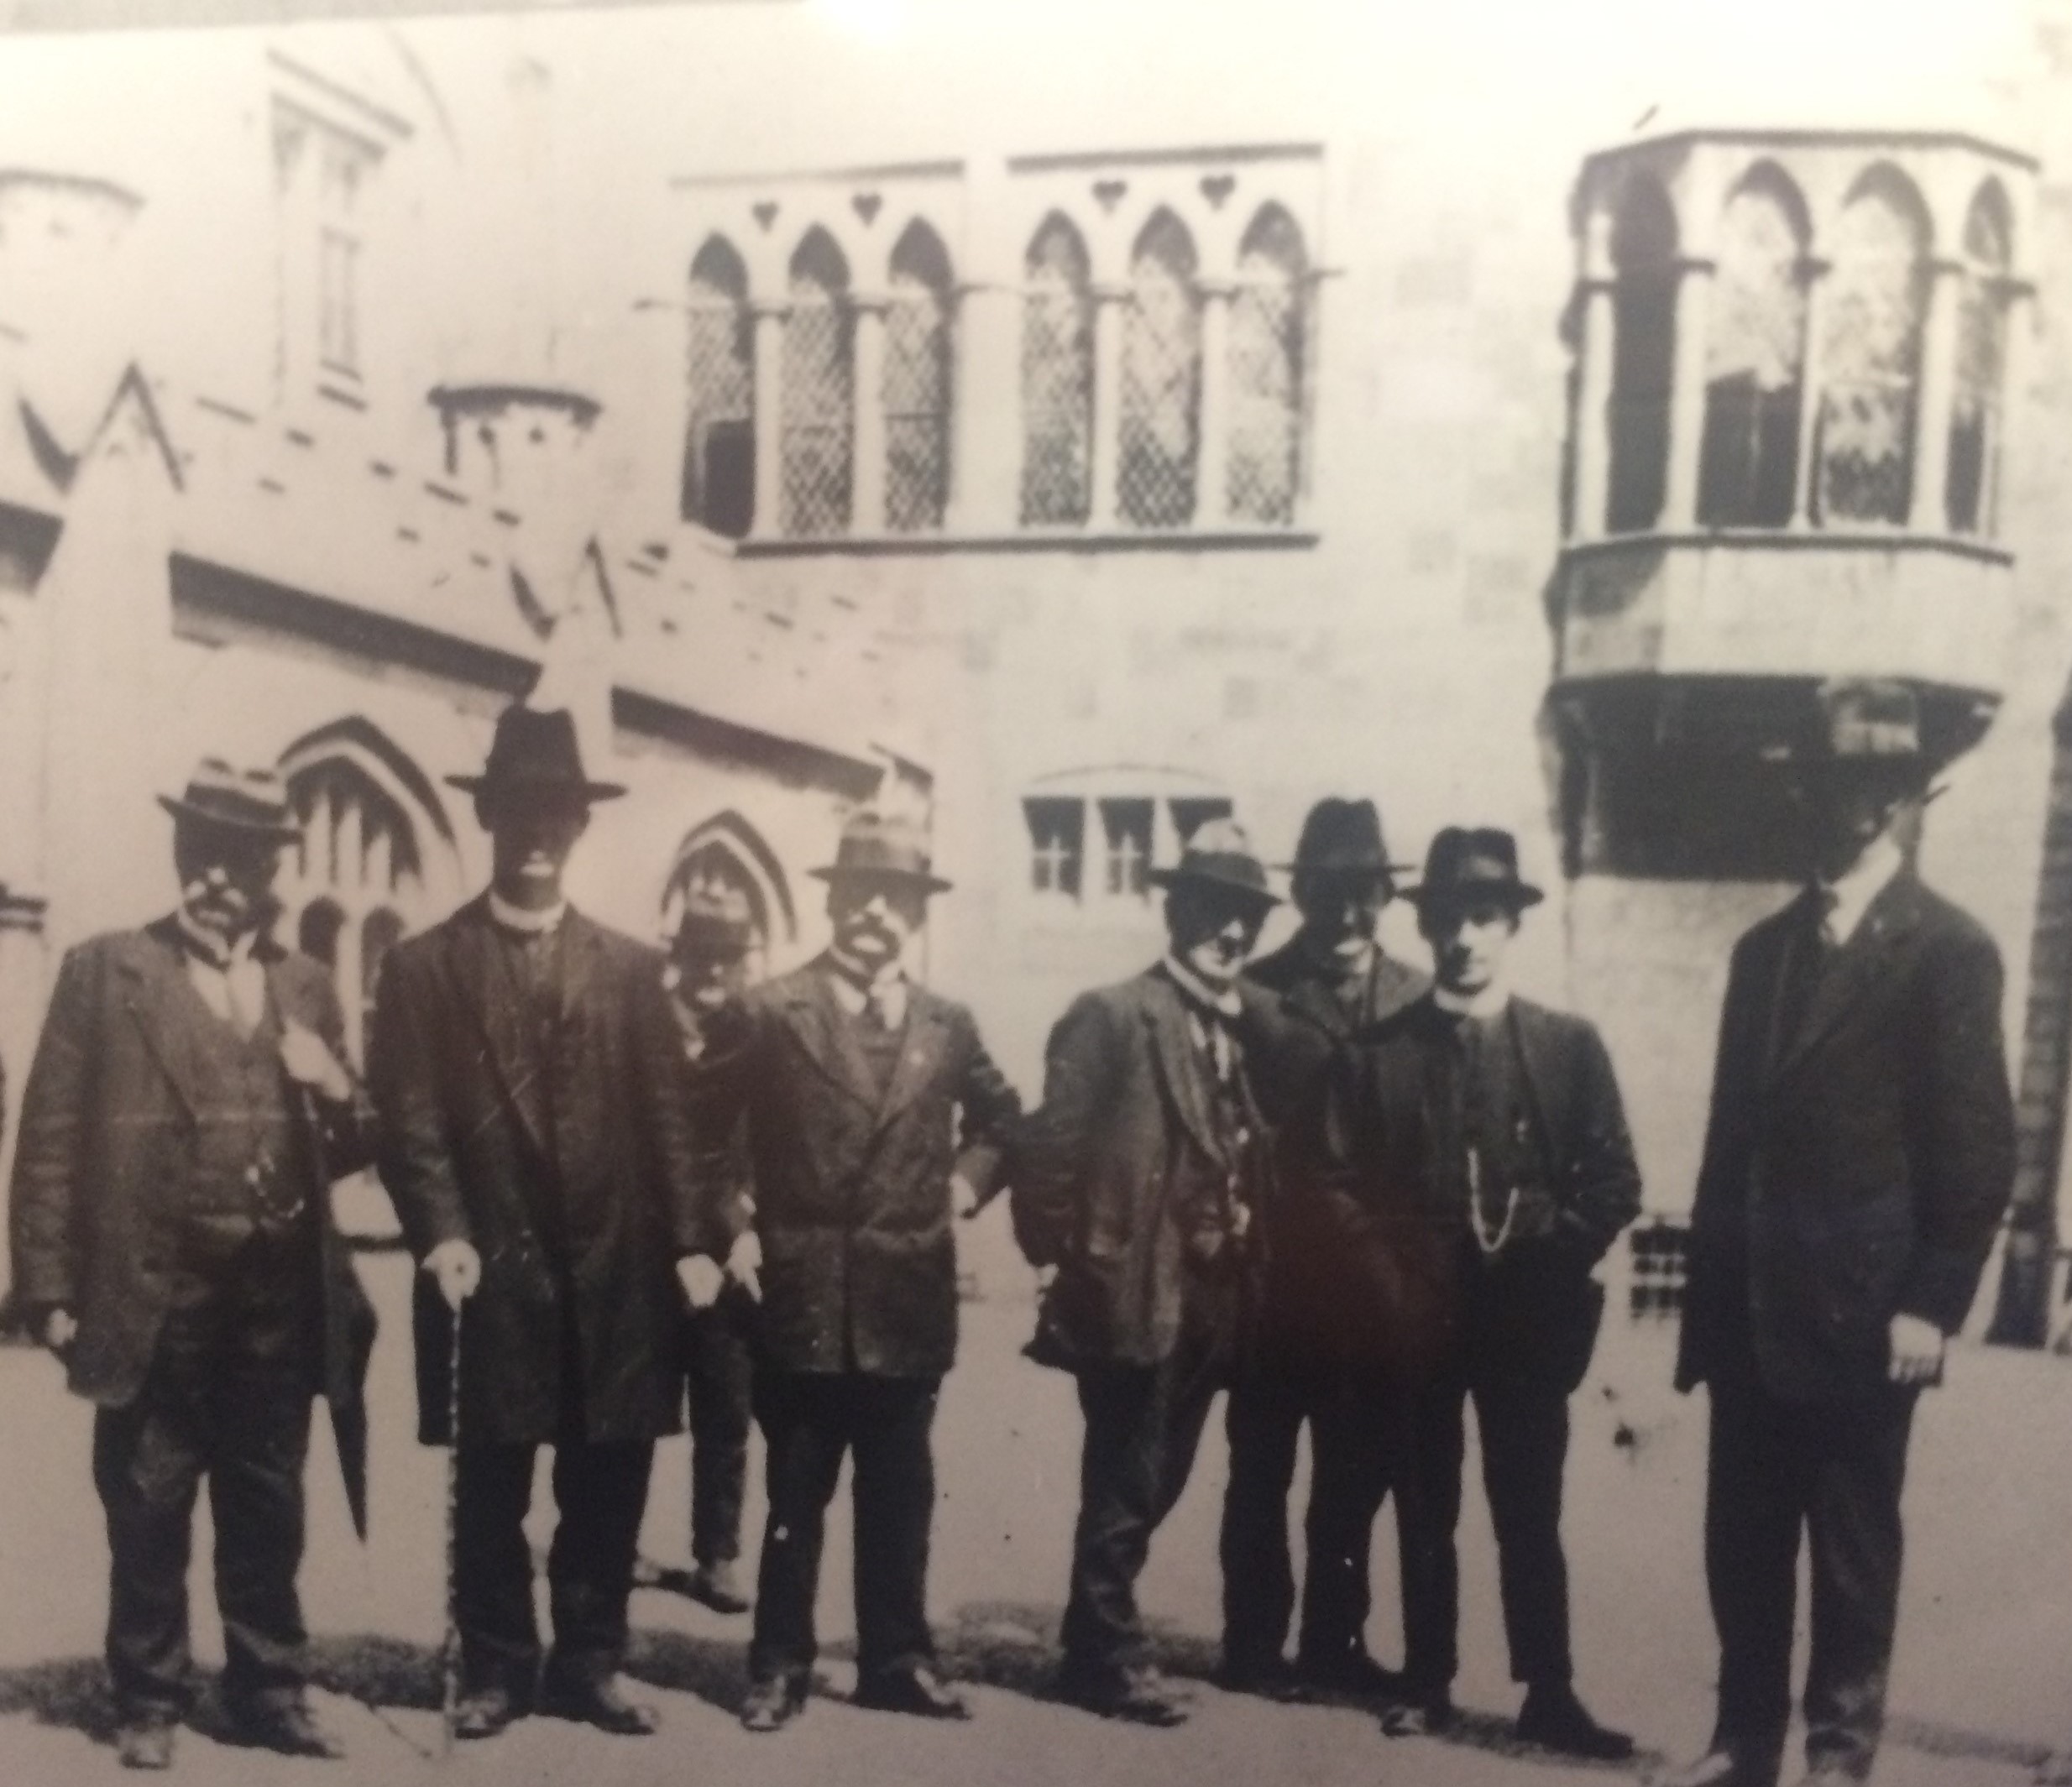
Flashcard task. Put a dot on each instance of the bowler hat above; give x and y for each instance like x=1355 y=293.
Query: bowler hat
x=1343 y=838
x=877 y=846
x=1219 y=854
x=250 y=801
x=535 y=753
x=714 y=925
x=1466 y=864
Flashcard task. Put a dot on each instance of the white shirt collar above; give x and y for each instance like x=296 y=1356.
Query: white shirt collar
x=1487 y=1004
x=1849 y=894
x=854 y=988
x=1227 y=1002
x=523 y=919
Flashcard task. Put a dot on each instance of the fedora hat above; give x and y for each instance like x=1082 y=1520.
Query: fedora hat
x=250 y=801
x=536 y=753
x=713 y=925
x=875 y=846
x=1219 y=854
x=1344 y=838
x=1470 y=863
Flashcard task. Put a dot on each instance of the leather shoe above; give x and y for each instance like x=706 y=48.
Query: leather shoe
x=1716 y=1768
x=1351 y=1672
x=1140 y=1696
x=717 y=1587
x=1423 y=1715
x=771 y=1704
x=484 y=1711
x=918 y=1689
x=1554 y=1719
x=1269 y=1678
x=286 y=1727
x=596 y=1699
x=146 y=1742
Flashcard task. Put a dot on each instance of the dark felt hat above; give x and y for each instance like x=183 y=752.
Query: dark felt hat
x=254 y=802
x=536 y=753
x=1219 y=854
x=1466 y=864
x=1343 y=838
x=881 y=847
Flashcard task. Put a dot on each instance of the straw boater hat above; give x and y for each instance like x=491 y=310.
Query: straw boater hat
x=1468 y=864
x=1219 y=855
x=536 y=753
x=253 y=801
x=875 y=846
x=1341 y=838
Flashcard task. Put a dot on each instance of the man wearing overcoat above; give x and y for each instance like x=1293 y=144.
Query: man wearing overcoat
x=1858 y=1160
x=871 y=1107
x=174 y=1245
x=535 y=1140
x=1481 y=1139
x=1136 y=1187
x=1313 y=1363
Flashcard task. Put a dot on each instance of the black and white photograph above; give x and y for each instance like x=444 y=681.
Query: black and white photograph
x=1059 y=893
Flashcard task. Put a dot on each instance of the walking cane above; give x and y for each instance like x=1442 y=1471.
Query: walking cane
x=449 y=1690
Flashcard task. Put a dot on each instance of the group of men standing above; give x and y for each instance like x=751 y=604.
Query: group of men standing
x=1342 y=1192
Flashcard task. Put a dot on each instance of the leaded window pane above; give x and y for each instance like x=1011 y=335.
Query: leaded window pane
x=1644 y=332
x=916 y=386
x=819 y=394
x=719 y=447
x=1267 y=344
x=1057 y=380
x=1161 y=401
x=1748 y=463
x=1870 y=357
x=1982 y=368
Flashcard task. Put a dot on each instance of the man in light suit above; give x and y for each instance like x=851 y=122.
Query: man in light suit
x=1858 y=1160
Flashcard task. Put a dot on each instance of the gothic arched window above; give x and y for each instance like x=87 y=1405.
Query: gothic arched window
x=917 y=384
x=725 y=861
x=1748 y=467
x=819 y=391
x=1057 y=378
x=1161 y=401
x=1268 y=343
x=720 y=448
x=1870 y=353
x=1644 y=336
x=1975 y=419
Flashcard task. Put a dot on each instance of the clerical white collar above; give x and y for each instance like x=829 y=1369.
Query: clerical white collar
x=218 y=951
x=523 y=919
x=1849 y=896
x=1489 y=1004
x=1225 y=1001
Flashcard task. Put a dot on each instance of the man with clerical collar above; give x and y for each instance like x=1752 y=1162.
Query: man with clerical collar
x=1136 y=1188
x=1480 y=1139
x=872 y=1110
x=1315 y=1362
x=535 y=1140
x=1858 y=1161
x=173 y=1245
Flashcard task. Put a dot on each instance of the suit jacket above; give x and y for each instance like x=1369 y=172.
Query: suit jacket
x=1394 y=1199
x=851 y=1182
x=580 y=1222
x=1126 y=1139
x=108 y=1140
x=1857 y=1167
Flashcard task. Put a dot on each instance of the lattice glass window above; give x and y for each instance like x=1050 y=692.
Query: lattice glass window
x=720 y=445
x=1161 y=403
x=1057 y=379
x=1748 y=467
x=1190 y=813
x=1126 y=860
x=1644 y=309
x=1974 y=423
x=1870 y=353
x=1268 y=316
x=1057 y=837
x=819 y=391
x=1662 y=1262
x=918 y=385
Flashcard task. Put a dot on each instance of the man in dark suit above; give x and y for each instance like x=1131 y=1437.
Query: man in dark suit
x=871 y=1107
x=1858 y=1160
x=1137 y=1188
x=1480 y=1141
x=173 y=1246
x=1333 y=979
x=535 y=1140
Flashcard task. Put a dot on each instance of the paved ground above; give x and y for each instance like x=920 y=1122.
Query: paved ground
x=1981 y=1678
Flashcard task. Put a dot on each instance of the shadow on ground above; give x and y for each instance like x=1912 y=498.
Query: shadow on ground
x=71 y=1692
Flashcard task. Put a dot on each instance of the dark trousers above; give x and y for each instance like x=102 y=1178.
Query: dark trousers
x=227 y=1396
x=809 y=1420
x=1354 y=1435
x=1143 y=1425
x=1523 y=1427
x=1836 y=1470
x=720 y=1364
x=600 y=1490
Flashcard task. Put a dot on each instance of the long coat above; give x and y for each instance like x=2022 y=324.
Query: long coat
x=1125 y=1139
x=1857 y=1167
x=108 y=1140
x=1401 y=1233
x=851 y=1184
x=579 y=1229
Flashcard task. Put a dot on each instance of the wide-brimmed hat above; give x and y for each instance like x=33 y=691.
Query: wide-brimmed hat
x=253 y=801
x=1466 y=864
x=876 y=846
x=1343 y=838
x=713 y=925
x=1218 y=855
x=536 y=753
